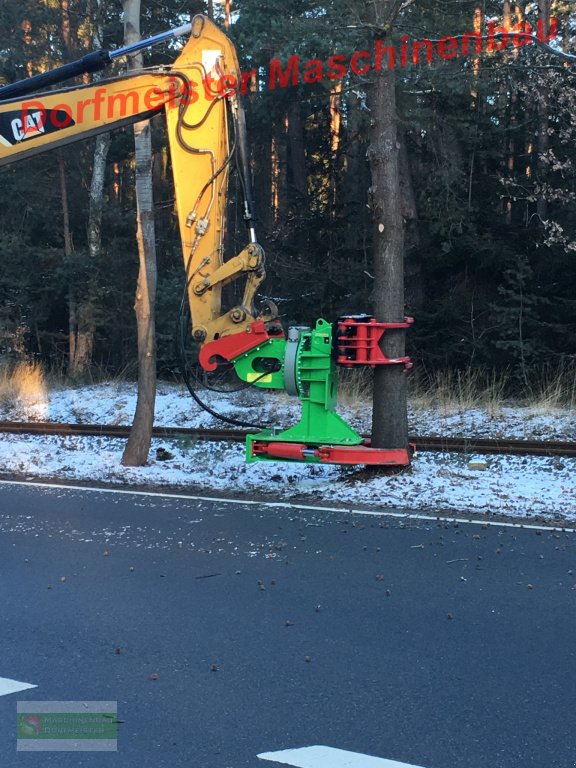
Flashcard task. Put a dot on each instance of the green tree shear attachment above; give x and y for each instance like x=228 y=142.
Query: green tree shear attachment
x=304 y=365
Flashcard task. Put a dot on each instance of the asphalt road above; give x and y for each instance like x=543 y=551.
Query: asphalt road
x=225 y=630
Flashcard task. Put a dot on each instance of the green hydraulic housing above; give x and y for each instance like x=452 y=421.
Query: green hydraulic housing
x=304 y=365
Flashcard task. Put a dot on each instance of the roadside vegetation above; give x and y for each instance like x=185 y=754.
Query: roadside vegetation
x=447 y=391
x=25 y=386
x=22 y=381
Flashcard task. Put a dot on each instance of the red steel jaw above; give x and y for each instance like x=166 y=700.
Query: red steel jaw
x=357 y=342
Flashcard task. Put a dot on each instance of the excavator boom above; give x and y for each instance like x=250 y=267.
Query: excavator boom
x=199 y=94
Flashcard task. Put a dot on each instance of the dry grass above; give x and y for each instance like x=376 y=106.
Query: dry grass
x=554 y=388
x=354 y=386
x=446 y=391
x=550 y=388
x=450 y=391
x=23 y=382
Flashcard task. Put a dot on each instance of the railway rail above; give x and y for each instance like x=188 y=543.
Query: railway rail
x=422 y=443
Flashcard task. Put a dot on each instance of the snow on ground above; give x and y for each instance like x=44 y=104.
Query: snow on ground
x=528 y=487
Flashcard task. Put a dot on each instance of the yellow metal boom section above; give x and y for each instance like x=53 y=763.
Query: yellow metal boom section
x=44 y=121
x=199 y=144
x=199 y=94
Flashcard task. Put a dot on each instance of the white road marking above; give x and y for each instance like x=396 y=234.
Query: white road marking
x=569 y=528
x=328 y=757
x=13 y=686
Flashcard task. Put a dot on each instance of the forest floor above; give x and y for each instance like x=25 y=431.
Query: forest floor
x=531 y=488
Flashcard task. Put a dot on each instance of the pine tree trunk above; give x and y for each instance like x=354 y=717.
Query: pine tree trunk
x=280 y=173
x=543 y=142
x=68 y=251
x=85 y=322
x=335 y=129
x=138 y=446
x=297 y=152
x=414 y=297
x=263 y=181
x=389 y=418
x=355 y=180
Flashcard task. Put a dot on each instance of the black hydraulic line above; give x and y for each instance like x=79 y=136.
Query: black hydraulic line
x=181 y=332
x=92 y=62
x=243 y=163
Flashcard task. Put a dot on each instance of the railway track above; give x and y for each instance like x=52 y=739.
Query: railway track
x=453 y=444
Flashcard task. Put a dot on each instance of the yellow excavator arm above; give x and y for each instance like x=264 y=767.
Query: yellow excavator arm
x=200 y=96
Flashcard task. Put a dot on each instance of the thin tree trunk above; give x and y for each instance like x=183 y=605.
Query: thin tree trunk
x=28 y=40
x=355 y=180
x=335 y=128
x=73 y=307
x=263 y=180
x=508 y=110
x=543 y=142
x=413 y=266
x=101 y=149
x=478 y=26
x=297 y=152
x=86 y=327
x=138 y=446
x=389 y=418
x=280 y=172
x=68 y=251
x=274 y=174
x=66 y=30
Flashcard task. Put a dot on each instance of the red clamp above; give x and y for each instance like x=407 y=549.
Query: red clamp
x=357 y=342
x=229 y=347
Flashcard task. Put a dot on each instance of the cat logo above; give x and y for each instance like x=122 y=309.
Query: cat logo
x=28 y=126
x=25 y=125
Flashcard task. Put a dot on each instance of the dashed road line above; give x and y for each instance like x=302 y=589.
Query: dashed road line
x=8 y=686
x=329 y=757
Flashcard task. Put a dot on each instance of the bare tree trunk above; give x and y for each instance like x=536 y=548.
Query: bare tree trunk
x=509 y=105
x=478 y=25
x=68 y=251
x=274 y=174
x=74 y=345
x=389 y=417
x=297 y=151
x=66 y=30
x=138 y=446
x=86 y=327
x=263 y=180
x=99 y=167
x=280 y=173
x=335 y=128
x=355 y=180
x=413 y=268
x=543 y=142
